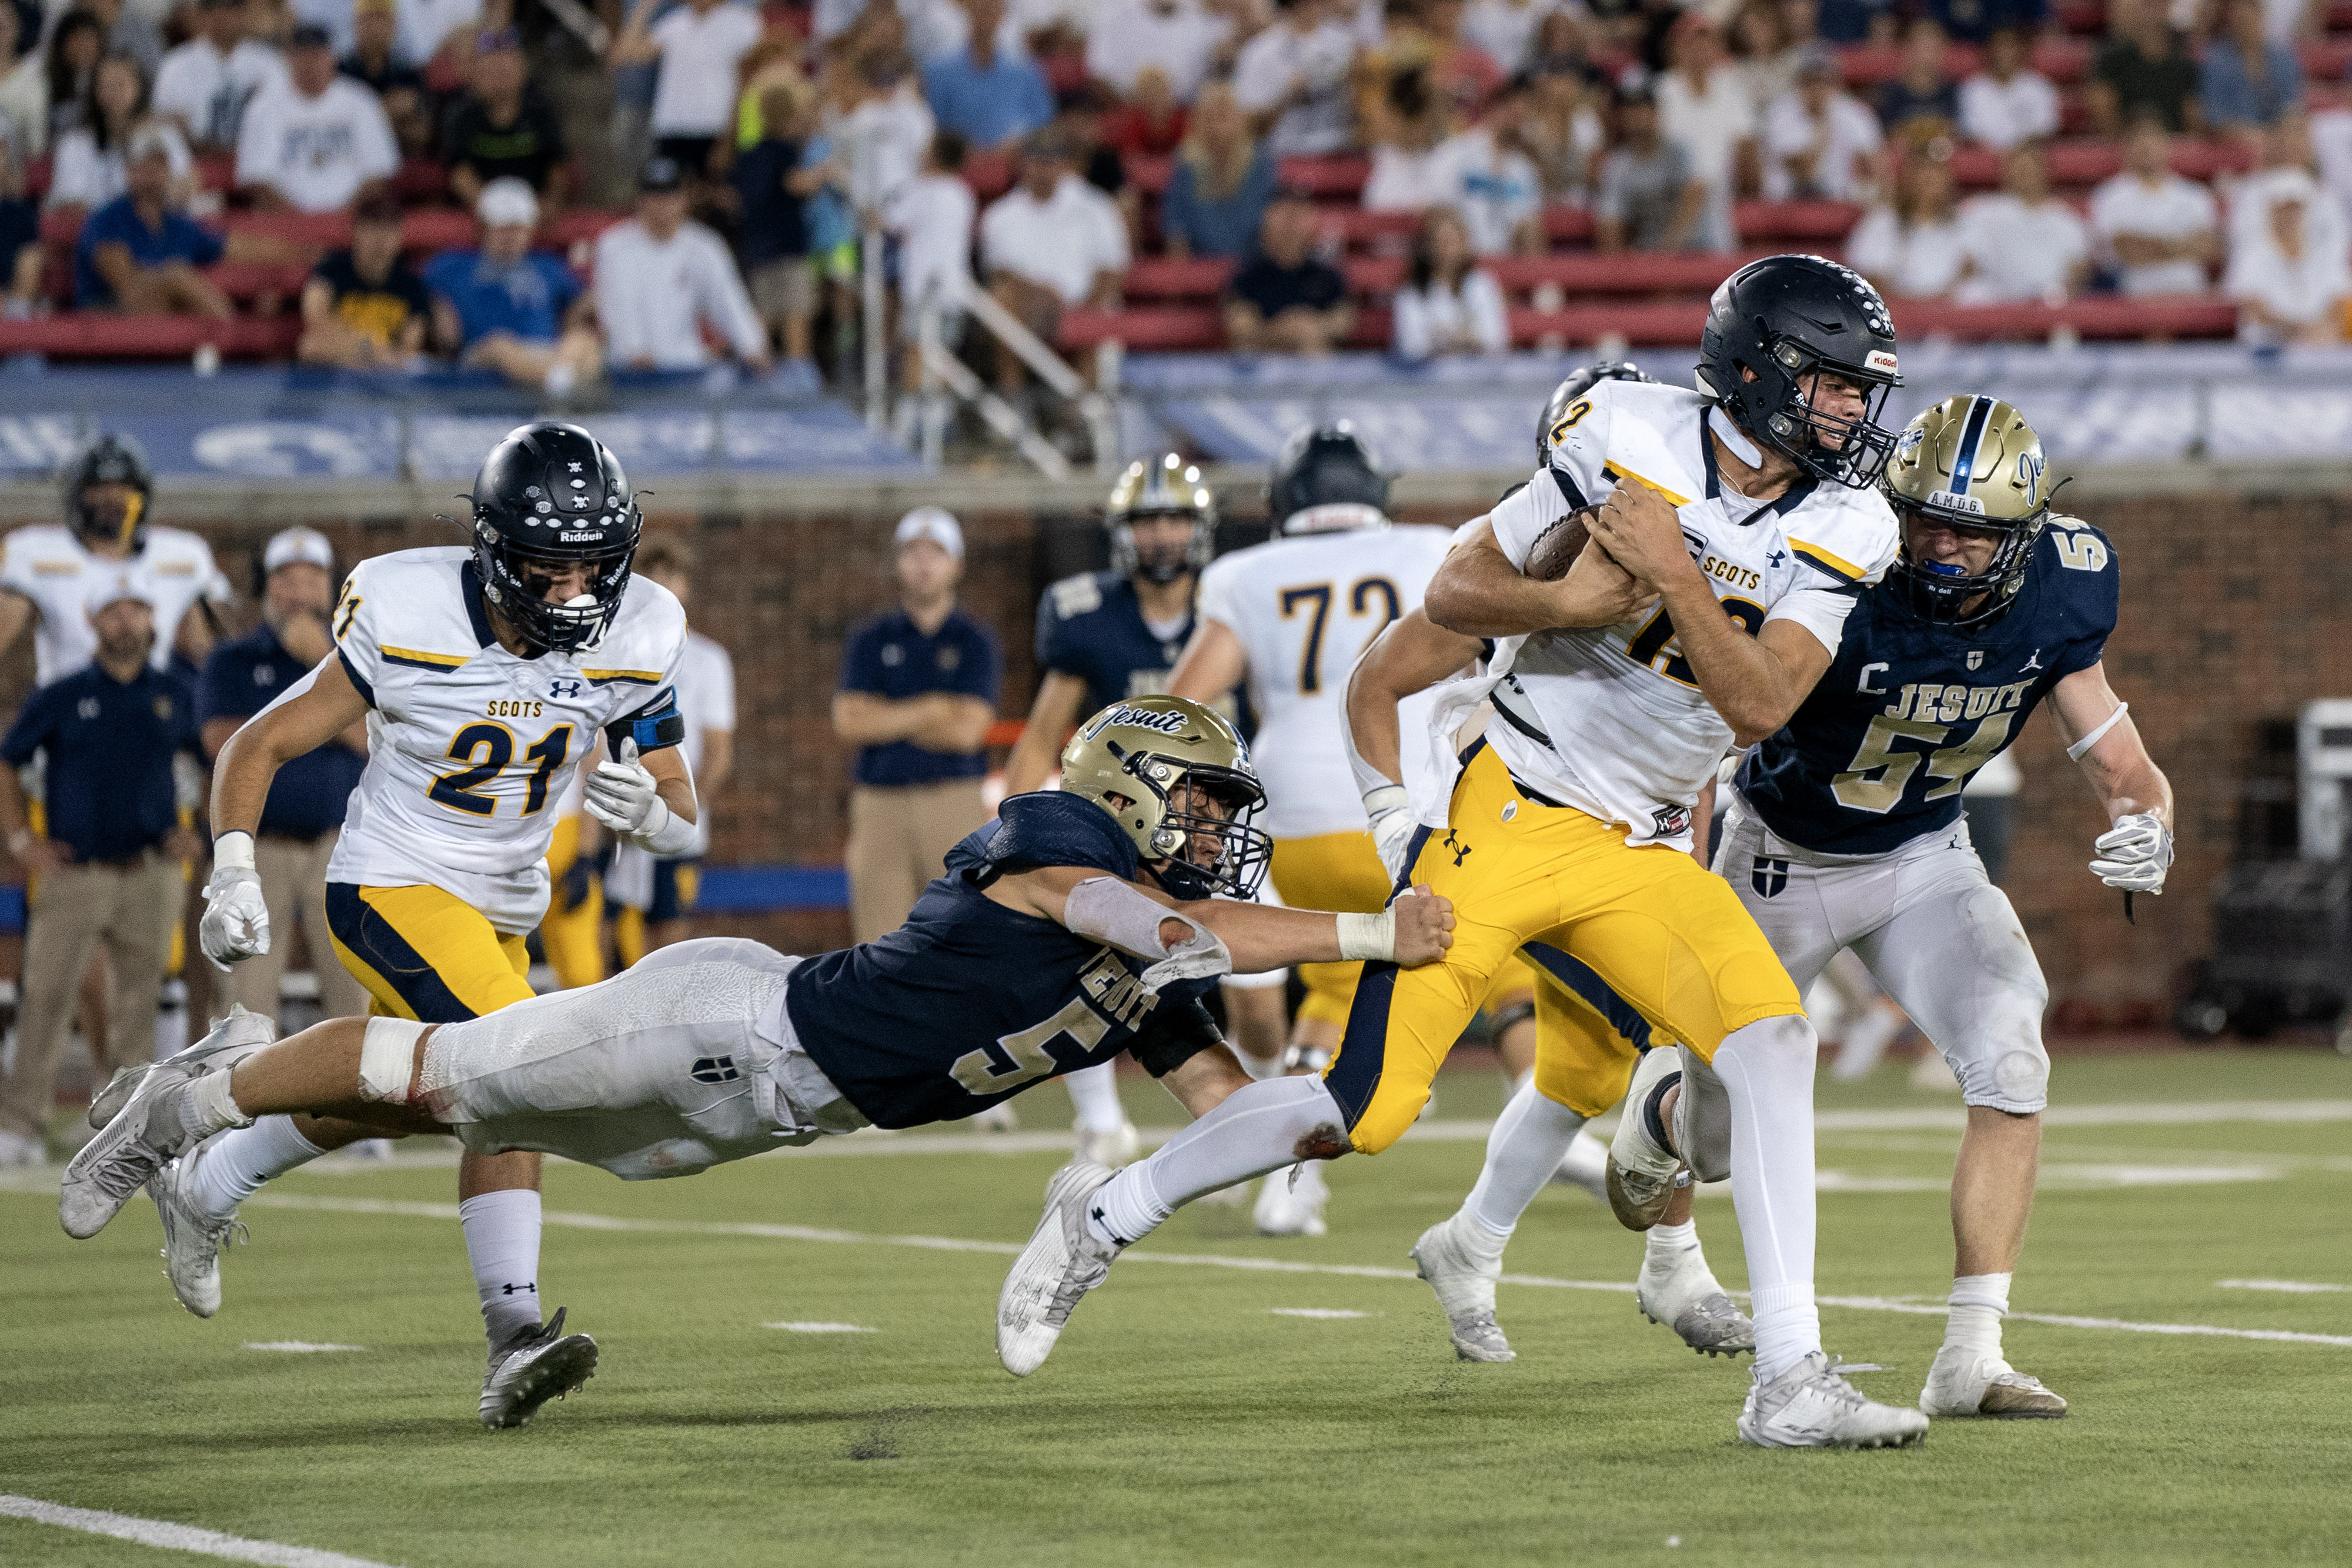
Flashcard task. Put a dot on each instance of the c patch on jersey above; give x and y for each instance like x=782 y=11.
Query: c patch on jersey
x=1769 y=878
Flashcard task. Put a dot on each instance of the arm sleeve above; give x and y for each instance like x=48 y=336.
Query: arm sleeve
x=31 y=729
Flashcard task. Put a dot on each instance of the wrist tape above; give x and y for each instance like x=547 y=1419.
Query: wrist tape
x=233 y=851
x=1368 y=937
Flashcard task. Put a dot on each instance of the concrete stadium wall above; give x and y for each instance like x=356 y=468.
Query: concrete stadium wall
x=2233 y=616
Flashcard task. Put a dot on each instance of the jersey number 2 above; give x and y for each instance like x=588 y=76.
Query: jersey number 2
x=486 y=750
x=1359 y=594
x=1018 y=1059
x=1657 y=638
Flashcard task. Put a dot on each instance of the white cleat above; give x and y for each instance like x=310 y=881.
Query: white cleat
x=1964 y=1382
x=1684 y=1295
x=1641 y=1176
x=1290 y=1202
x=997 y=1118
x=229 y=1041
x=1811 y=1407
x=1461 y=1261
x=1062 y=1262
x=1113 y=1149
x=156 y=1124
x=192 y=1238
x=1586 y=1164
x=525 y=1374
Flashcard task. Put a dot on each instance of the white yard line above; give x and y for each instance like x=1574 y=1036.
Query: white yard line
x=176 y=1537
x=2289 y=1287
x=411 y=1210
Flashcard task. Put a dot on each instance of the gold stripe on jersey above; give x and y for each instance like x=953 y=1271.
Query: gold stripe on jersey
x=423 y=660
x=1620 y=474
x=630 y=677
x=1837 y=566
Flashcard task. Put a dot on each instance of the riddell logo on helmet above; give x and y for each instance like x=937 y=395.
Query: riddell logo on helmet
x=590 y=537
x=1880 y=359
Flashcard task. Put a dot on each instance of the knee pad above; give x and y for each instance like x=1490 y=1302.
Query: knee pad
x=2003 y=1065
x=1509 y=1016
x=1702 y=1120
x=388 y=1058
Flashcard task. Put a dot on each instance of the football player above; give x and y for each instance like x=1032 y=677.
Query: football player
x=1083 y=922
x=1735 y=523
x=1285 y=620
x=485 y=673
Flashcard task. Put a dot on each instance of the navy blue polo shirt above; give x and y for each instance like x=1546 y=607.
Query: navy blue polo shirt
x=110 y=770
x=890 y=658
x=311 y=792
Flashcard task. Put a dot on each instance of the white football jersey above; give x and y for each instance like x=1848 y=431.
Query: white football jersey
x=1304 y=607
x=1611 y=720
x=49 y=565
x=470 y=749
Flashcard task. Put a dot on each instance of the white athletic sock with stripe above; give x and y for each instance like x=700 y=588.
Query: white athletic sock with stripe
x=1256 y=1130
x=1529 y=1141
x=502 y=1244
x=1978 y=1304
x=1767 y=1068
x=227 y=1169
x=1094 y=1096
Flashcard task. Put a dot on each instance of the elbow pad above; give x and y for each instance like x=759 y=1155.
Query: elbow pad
x=1110 y=910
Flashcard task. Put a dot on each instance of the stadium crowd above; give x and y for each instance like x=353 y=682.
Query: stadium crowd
x=382 y=185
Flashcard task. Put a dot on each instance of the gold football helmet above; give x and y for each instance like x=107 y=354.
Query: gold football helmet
x=1162 y=487
x=1177 y=777
x=1972 y=463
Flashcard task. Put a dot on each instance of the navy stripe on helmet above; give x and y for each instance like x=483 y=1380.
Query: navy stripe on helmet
x=1964 y=462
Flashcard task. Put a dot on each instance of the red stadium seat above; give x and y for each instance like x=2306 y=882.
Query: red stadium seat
x=1168 y=277
x=1149 y=172
x=420 y=181
x=430 y=230
x=1165 y=330
x=1339 y=177
x=101 y=335
x=580 y=225
x=1782 y=222
x=2325 y=59
x=1361 y=230
x=248 y=281
x=1578 y=326
x=2083 y=18
x=1567 y=226
x=1374 y=277
x=2102 y=316
x=319 y=231
x=2065 y=61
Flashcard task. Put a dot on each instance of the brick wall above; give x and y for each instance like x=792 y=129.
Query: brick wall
x=2232 y=616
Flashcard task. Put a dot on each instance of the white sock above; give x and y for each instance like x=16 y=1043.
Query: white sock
x=1767 y=1068
x=1978 y=1304
x=502 y=1244
x=1094 y=1096
x=1667 y=1243
x=1259 y=1068
x=1529 y=1141
x=229 y=1168
x=1257 y=1129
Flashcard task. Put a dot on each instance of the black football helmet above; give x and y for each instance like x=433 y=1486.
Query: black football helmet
x=551 y=495
x=111 y=459
x=1576 y=386
x=1162 y=487
x=1327 y=479
x=1785 y=318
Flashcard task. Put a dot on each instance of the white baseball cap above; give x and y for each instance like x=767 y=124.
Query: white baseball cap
x=297 y=545
x=935 y=524
x=507 y=200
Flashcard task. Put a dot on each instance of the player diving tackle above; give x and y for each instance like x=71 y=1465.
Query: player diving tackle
x=1082 y=923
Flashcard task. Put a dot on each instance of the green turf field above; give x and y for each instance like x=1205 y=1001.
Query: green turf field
x=1183 y=1420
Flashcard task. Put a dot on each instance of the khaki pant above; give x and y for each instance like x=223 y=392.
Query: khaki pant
x=133 y=907
x=294 y=885
x=900 y=839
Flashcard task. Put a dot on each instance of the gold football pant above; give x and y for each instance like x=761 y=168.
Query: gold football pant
x=1666 y=936
x=425 y=954
x=572 y=934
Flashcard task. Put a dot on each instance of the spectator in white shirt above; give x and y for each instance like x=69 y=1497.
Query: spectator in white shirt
x=1910 y=247
x=314 y=141
x=932 y=216
x=1412 y=158
x=1820 y=141
x=430 y=28
x=699 y=46
x=1449 y=304
x=24 y=91
x=1703 y=108
x=2161 y=231
x=2008 y=101
x=1506 y=29
x=1179 y=37
x=1499 y=191
x=661 y=278
x=89 y=171
x=205 y=83
x=1050 y=243
x=1292 y=79
x=1765 y=53
x=2288 y=288
x=2021 y=244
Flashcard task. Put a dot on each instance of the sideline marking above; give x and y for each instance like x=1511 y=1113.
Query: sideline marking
x=297 y=1346
x=822 y=1328
x=2292 y=1287
x=575 y=1221
x=177 y=1537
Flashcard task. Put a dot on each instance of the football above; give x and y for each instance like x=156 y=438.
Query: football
x=1556 y=548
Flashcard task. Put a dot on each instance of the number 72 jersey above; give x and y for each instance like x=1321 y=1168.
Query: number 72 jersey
x=469 y=746
x=1877 y=754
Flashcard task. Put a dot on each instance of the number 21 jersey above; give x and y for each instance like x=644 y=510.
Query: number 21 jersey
x=470 y=747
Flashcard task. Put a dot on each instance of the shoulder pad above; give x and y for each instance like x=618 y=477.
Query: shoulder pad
x=1849 y=536
x=1051 y=826
x=1075 y=596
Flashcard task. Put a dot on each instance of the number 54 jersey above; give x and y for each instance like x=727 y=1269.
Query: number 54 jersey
x=1877 y=754
x=470 y=747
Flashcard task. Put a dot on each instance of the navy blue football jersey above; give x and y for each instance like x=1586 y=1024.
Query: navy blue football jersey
x=1909 y=709
x=969 y=1003
x=1091 y=626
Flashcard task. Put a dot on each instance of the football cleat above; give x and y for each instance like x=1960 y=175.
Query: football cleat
x=1586 y=1164
x=1640 y=1179
x=1462 y=1264
x=1682 y=1295
x=1062 y=1262
x=192 y=1238
x=228 y=1042
x=1290 y=1202
x=1113 y=1149
x=1811 y=1407
x=155 y=1125
x=528 y=1371
x=1965 y=1383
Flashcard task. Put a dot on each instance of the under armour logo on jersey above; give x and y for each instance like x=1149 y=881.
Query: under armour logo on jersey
x=1769 y=877
x=1776 y=558
x=564 y=689
x=715 y=1069
x=1461 y=851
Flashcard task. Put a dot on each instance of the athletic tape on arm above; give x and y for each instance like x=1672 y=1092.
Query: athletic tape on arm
x=1112 y=911
x=388 y=1058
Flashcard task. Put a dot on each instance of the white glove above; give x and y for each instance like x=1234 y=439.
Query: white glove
x=236 y=922
x=626 y=797
x=2134 y=854
x=1391 y=810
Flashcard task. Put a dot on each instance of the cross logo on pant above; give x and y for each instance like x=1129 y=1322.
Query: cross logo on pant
x=1769 y=876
